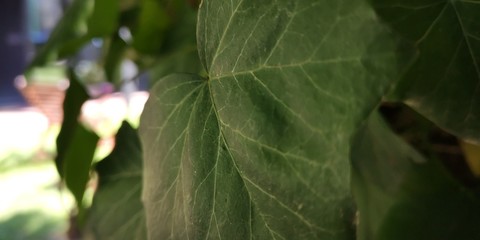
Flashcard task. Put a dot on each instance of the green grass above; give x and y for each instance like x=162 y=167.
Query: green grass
x=32 y=206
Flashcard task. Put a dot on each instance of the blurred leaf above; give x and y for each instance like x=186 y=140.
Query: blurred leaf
x=182 y=30
x=78 y=160
x=117 y=211
x=180 y=54
x=71 y=47
x=104 y=19
x=126 y=5
x=472 y=156
x=72 y=105
x=65 y=37
x=129 y=18
x=153 y=22
x=400 y=195
x=444 y=82
x=183 y=61
x=114 y=57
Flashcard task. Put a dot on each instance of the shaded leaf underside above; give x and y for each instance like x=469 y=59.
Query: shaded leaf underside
x=117 y=211
x=260 y=149
x=401 y=195
x=443 y=83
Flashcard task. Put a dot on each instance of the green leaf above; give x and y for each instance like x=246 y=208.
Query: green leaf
x=104 y=19
x=443 y=83
x=164 y=26
x=401 y=195
x=75 y=144
x=184 y=60
x=113 y=59
x=191 y=183
x=75 y=96
x=260 y=149
x=152 y=24
x=68 y=35
x=78 y=161
x=179 y=50
x=117 y=211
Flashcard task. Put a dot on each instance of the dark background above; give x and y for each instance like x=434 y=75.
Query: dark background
x=13 y=51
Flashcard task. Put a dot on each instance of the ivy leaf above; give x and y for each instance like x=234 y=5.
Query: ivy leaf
x=401 y=195
x=443 y=83
x=188 y=170
x=117 y=211
x=260 y=149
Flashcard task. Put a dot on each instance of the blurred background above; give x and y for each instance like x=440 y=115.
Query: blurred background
x=33 y=203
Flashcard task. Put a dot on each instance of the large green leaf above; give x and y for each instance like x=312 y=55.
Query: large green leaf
x=401 y=195
x=444 y=82
x=260 y=149
x=117 y=211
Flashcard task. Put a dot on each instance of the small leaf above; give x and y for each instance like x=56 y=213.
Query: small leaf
x=443 y=84
x=401 y=195
x=78 y=160
x=117 y=212
x=72 y=105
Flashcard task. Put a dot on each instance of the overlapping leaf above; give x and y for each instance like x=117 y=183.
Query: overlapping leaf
x=78 y=160
x=444 y=82
x=401 y=195
x=75 y=144
x=117 y=211
x=260 y=149
x=75 y=96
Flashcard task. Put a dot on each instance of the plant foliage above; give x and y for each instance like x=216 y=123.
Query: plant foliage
x=275 y=132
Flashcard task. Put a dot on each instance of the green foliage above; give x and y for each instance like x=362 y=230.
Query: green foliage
x=117 y=212
x=443 y=82
x=275 y=132
x=397 y=189
x=75 y=96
